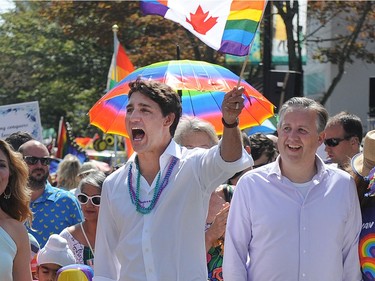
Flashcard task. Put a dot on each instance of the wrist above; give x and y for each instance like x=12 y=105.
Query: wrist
x=233 y=125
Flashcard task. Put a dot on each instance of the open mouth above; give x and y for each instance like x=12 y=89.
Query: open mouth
x=294 y=147
x=138 y=134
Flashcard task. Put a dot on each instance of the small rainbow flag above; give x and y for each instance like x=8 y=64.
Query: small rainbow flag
x=120 y=67
x=67 y=145
x=228 y=26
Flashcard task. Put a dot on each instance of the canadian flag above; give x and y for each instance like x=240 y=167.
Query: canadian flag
x=228 y=26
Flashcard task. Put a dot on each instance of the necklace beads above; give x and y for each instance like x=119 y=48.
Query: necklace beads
x=135 y=194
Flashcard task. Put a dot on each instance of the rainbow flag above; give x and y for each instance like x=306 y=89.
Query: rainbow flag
x=120 y=67
x=67 y=145
x=228 y=26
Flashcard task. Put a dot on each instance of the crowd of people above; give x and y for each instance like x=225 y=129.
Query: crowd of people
x=192 y=205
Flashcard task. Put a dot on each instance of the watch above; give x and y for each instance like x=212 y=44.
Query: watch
x=233 y=125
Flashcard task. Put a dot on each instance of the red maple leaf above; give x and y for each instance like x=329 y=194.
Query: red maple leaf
x=200 y=21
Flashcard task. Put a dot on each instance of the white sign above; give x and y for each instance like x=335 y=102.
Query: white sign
x=22 y=117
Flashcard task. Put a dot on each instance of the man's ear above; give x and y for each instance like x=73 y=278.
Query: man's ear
x=169 y=119
x=321 y=137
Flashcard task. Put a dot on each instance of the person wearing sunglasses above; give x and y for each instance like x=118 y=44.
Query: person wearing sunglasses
x=81 y=237
x=54 y=209
x=343 y=137
x=297 y=212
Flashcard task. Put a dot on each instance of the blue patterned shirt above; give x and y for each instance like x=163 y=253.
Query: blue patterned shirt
x=53 y=211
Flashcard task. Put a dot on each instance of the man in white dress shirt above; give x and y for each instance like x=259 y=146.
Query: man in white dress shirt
x=296 y=218
x=153 y=209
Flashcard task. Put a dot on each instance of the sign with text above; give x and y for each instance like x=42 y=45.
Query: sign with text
x=22 y=117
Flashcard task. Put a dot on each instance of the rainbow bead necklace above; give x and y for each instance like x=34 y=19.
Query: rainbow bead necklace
x=134 y=195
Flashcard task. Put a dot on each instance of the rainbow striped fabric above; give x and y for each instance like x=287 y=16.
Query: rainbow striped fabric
x=120 y=67
x=228 y=26
x=67 y=145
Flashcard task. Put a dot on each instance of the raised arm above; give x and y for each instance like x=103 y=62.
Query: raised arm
x=231 y=144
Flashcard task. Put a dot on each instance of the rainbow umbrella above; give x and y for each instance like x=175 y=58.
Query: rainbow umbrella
x=203 y=86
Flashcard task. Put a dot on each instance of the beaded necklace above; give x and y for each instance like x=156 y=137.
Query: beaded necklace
x=134 y=195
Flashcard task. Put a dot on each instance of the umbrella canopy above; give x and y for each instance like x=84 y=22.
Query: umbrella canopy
x=267 y=127
x=203 y=86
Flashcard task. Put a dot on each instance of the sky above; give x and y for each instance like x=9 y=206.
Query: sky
x=6 y=5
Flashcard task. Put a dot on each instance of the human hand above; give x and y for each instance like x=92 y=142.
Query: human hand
x=217 y=228
x=232 y=105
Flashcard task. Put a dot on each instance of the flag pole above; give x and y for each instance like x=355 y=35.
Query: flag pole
x=243 y=68
x=115 y=48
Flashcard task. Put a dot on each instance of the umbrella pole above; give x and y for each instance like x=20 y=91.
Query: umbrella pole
x=179 y=92
x=115 y=46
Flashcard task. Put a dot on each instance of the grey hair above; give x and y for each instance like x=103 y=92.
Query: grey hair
x=308 y=104
x=95 y=178
x=188 y=124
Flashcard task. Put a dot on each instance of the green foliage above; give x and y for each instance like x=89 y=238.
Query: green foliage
x=58 y=53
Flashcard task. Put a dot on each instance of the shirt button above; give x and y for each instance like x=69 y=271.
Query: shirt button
x=304 y=251
x=303 y=275
x=304 y=228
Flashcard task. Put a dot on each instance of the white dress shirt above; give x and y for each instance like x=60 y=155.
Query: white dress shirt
x=275 y=234
x=167 y=244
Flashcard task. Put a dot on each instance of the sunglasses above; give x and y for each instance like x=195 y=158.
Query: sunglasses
x=332 y=142
x=83 y=199
x=31 y=160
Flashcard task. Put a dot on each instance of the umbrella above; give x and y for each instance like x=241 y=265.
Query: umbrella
x=203 y=86
x=267 y=127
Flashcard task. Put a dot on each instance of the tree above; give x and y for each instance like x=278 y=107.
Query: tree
x=40 y=63
x=353 y=41
x=358 y=33
x=59 y=53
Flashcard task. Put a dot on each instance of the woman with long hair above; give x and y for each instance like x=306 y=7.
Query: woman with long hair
x=14 y=212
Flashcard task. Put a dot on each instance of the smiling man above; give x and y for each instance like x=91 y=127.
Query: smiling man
x=153 y=209
x=296 y=218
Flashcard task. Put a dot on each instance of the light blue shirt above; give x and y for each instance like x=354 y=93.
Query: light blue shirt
x=8 y=251
x=53 y=211
x=289 y=237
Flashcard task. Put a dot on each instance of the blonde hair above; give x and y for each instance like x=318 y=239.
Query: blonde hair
x=67 y=172
x=189 y=124
x=18 y=204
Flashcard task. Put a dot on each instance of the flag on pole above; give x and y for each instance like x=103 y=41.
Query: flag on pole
x=121 y=65
x=62 y=140
x=228 y=26
x=66 y=144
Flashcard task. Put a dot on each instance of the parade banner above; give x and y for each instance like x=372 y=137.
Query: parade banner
x=24 y=117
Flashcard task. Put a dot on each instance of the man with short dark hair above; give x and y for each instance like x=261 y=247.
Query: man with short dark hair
x=17 y=139
x=54 y=209
x=343 y=137
x=154 y=208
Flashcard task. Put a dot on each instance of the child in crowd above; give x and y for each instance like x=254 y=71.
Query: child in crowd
x=52 y=257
